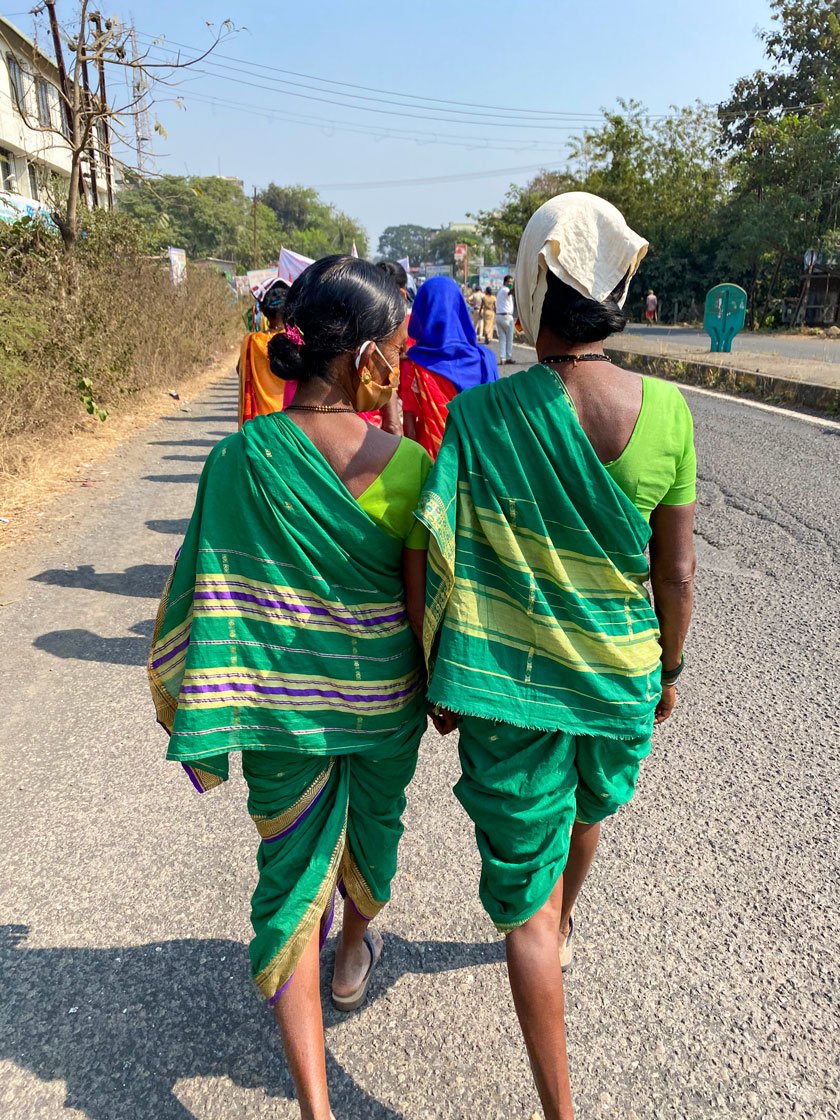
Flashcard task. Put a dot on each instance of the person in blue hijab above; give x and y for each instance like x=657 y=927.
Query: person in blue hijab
x=444 y=359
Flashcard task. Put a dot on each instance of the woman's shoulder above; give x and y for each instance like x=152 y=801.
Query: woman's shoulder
x=413 y=455
x=664 y=399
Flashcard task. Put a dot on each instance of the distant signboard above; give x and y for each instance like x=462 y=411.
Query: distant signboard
x=177 y=265
x=493 y=276
x=460 y=252
x=437 y=270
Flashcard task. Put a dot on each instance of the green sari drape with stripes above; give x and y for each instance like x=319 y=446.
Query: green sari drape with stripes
x=282 y=633
x=537 y=612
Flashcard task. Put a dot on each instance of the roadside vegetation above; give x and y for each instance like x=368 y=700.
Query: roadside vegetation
x=737 y=192
x=84 y=334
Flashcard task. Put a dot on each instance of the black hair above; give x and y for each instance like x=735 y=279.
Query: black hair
x=576 y=318
x=488 y=291
x=508 y=278
x=274 y=300
x=336 y=304
x=396 y=271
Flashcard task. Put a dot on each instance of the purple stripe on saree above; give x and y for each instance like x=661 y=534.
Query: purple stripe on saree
x=296 y=608
x=156 y=664
x=280 y=690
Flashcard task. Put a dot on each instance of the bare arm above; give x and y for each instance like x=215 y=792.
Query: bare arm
x=409 y=425
x=672 y=566
x=414 y=577
x=391 y=417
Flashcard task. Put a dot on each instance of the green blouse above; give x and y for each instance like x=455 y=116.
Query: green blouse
x=659 y=464
x=392 y=498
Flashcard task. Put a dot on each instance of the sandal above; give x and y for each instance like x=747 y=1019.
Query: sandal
x=567 y=949
x=357 y=998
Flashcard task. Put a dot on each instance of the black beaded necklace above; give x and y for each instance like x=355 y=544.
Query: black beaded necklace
x=576 y=358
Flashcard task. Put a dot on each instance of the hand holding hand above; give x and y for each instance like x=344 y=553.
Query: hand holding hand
x=445 y=721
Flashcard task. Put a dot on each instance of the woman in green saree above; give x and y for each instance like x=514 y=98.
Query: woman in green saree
x=285 y=633
x=542 y=642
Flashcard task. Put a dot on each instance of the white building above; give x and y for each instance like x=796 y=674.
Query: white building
x=33 y=125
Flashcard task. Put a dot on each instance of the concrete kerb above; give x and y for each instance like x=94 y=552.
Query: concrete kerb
x=738 y=382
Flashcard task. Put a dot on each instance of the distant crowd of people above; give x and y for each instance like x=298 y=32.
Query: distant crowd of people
x=397 y=533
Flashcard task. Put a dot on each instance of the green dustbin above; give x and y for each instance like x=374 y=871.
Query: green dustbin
x=726 y=311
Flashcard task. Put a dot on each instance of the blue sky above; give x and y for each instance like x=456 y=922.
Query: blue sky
x=548 y=56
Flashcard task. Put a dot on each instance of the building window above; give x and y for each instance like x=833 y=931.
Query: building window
x=16 y=78
x=44 y=108
x=33 y=181
x=8 y=182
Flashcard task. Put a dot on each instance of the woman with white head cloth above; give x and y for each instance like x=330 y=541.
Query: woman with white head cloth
x=543 y=644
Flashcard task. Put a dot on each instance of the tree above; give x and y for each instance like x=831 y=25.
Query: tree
x=442 y=244
x=311 y=226
x=209 y=217
x=803 y=55
x=412 y=241
x=781 y=128
x=85 y=116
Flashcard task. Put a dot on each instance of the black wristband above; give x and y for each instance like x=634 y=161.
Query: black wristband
x=670 y=676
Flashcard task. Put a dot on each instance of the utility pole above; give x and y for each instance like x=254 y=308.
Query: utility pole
x=94 y=186
x=254 y=230
x=65 y=90
x=105 y=137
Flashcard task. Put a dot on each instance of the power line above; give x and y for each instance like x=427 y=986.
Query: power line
x=435 y=178
x=424 y=116
x=426 y=138
x=491 y=110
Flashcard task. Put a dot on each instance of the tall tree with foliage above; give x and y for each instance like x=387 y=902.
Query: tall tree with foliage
x=781 y=128
x=311 y=226
x=412 y=241
x=207 y=216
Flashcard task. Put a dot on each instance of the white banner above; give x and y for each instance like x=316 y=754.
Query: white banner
x=291 y=265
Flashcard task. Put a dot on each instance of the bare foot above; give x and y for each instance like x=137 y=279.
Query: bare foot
x=353 y=963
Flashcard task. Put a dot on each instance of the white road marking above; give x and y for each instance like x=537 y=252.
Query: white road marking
x=792 y=415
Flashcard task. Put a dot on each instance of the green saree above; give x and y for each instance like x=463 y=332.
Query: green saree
x=536 y=607
x=538 y=632
x=282 y=634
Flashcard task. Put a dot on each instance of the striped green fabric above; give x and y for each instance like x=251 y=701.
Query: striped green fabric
x=537 y=612
x=283 y=626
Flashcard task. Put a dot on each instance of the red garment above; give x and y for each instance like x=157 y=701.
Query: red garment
x=426 y=395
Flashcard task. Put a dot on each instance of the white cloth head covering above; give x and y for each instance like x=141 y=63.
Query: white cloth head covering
x=586 y=243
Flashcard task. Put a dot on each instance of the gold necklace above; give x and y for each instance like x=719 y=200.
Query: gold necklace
x=318 y=408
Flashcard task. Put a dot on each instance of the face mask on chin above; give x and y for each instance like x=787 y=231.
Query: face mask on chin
x=371 y=394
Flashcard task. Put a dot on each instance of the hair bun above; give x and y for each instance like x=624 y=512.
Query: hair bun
x=285 y=357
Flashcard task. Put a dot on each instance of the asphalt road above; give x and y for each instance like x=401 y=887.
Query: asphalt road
x=706 y=978
x=786 y=346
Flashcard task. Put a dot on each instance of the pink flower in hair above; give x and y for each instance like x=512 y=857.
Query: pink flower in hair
x=294 y=336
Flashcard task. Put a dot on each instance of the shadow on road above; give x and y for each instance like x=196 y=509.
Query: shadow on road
x=193 y=478
x=144 y=581
x=176 y=525
x=84 y=645
x=183 y=443
x=183 y=458
x=122 y=1026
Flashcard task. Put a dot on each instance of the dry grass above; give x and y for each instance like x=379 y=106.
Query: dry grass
x=38 y=483
x=103 y=330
